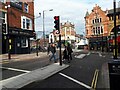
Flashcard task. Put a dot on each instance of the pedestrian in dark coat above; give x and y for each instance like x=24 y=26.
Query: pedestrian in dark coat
x=53 y=51
x=65 y=54
x=69 y=52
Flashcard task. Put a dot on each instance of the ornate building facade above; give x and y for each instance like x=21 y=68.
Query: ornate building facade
x=99 y=25
x=68 y=32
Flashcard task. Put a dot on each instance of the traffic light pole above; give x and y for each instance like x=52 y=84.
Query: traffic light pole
x=60 y=57
x=8 y=35
x=115 y=32
x=57 y=27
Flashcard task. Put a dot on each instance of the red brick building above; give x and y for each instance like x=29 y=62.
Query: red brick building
x=19 y=19
x=99 y=27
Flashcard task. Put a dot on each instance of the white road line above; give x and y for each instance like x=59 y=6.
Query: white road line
x=80 y=56
x=14 y=69
x=78 y=82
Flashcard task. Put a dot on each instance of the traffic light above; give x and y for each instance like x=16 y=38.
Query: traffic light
x=57 y=22
x=3 y=28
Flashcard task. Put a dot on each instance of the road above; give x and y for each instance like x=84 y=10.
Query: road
x=83 y=73
x=12 y=69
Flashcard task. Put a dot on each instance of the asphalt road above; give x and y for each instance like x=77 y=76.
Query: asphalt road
x=82 y=73
x=12 y=69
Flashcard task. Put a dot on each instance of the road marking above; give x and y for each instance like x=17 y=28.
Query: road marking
x=19 y=70
x=74 y=80
x=94 y=81
x=80 y=56
x=88 y=53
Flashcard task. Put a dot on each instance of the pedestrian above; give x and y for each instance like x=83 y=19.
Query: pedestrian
x=69 y=51
x=65 y=54
x=48 y=49
x=53 y=51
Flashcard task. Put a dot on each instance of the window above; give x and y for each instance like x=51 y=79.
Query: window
x=98 y=30
x=93 y=31
x=26 y=7
x=100 y=20
x=101 y=30
x=26 y=23
x=4 y=1
x=23 y=23
x=86 y=31
x=24 y=42
x=93 y=21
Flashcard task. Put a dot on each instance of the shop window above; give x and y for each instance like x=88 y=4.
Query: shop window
x=24 y=42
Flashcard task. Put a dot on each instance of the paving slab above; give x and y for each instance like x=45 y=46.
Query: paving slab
x=27 y=78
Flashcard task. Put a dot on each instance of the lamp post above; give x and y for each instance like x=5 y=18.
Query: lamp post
x=44 y=26
x=115 y=31
x=8 y=36
x=36 y=37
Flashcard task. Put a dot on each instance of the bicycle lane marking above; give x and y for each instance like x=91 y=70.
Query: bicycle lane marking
x=76 y=81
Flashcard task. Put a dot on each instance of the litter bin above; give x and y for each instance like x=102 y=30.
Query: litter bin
x=114 y=74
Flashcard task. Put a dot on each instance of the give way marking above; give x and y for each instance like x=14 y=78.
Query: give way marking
x=76 y=81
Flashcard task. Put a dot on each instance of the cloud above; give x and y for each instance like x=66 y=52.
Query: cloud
x=71 y=10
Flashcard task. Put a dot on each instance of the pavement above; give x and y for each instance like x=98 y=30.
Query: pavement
x=42 y=73
x=27 y=78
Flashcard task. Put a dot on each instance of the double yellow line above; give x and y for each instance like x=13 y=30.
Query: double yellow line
x=95 y=78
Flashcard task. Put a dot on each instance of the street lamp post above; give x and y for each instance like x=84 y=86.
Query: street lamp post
x=37 y=37
x=8 y=36
x=44 y=26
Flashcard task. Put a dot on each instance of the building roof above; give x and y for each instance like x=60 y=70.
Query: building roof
x=87 y=14
x=68 y=24
x=110 y=12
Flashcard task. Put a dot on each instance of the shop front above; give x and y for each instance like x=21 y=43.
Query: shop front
x=19 y=39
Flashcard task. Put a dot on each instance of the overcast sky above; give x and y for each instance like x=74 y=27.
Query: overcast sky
x=68 y=10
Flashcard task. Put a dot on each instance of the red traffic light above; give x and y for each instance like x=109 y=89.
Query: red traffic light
x=56 y=17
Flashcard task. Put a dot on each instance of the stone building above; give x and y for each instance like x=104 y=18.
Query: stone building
x=68 y=32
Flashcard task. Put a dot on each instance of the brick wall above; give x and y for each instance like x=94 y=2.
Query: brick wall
x=15 y=15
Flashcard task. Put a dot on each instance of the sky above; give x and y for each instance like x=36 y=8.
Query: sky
x=69 y=10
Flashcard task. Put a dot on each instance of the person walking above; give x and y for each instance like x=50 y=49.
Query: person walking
x=69 y=51
x=65 y=54
x=53 y=51
x=48 y=49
